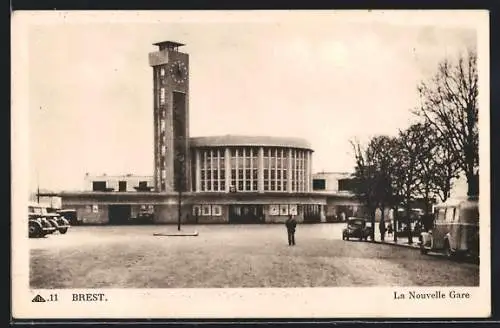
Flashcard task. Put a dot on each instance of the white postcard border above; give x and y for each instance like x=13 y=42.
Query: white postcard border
x=237 y=303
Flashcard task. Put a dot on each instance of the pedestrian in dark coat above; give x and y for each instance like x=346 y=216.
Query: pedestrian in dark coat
x=291 y=224
x=382 y=230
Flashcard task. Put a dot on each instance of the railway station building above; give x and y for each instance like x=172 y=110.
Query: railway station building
x=213 y=179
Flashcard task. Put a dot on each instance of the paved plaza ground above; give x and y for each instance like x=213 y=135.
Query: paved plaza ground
x=232 y=256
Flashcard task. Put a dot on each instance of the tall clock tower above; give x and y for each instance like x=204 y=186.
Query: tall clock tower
x=171 y=117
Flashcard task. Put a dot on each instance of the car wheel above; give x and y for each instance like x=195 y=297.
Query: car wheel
x=63 y=230
x=34 y=231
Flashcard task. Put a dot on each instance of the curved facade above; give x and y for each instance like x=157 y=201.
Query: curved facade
x=250 y=164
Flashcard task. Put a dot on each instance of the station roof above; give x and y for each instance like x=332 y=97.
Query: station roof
x=251 y=141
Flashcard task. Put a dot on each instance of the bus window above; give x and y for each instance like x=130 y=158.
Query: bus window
x=450 y=213
x=470 y=215
x=440 y=214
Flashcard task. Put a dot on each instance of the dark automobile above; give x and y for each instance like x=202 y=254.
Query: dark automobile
x=70 y=215
x=144 y=216
x=356 y=228
x=58 y=222
x=38 y=225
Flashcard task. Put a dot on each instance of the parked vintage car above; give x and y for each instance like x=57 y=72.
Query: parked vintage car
x=44 y=220
x=144 y=216
x=38 y=225
x=356 y=228
x=58 y=222
x=70 y=215
x=455 y=230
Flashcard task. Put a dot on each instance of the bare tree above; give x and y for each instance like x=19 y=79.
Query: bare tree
x=394 y=172
x=446 y=169
x=382 y=148
x=407 y=173
x=428 y=163
x=364 y=180
x=449 y=103
x=373 y=175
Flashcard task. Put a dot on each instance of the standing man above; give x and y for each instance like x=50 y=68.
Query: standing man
x=291 y=224
x=196 y=214
x=382 y=230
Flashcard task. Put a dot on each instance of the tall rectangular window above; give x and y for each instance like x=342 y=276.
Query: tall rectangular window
x=122 y=185
x=162 y=96
x=222 y=162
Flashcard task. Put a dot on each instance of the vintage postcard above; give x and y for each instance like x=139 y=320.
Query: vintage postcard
x=250 y=164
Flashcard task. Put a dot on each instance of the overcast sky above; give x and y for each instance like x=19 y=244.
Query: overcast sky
x=323 y=78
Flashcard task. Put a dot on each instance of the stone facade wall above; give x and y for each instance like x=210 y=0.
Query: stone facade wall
x=169 y=214
x=281 y=218
x=92 y=214
x=93 y=208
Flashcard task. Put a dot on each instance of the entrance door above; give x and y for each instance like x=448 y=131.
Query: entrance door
x=119 y=214
x=241 y=214
x=312 y=213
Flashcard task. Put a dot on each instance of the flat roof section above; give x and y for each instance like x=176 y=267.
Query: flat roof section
x=168 y=45
x=254 y=141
